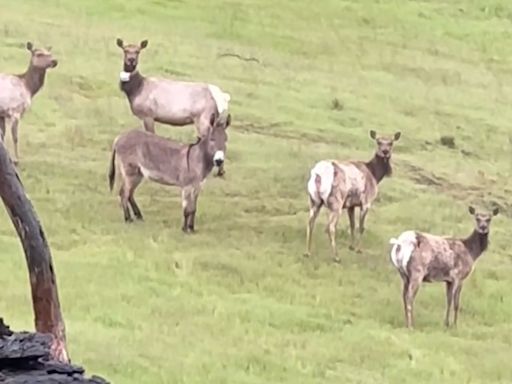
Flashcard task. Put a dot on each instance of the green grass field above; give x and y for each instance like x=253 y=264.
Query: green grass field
x=237 y=302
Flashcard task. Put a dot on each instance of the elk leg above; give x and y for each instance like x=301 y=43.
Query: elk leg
x=352 y=220
x=331 y=227
x=362 y=219
x=2 y=128
x=149 y=125
x=314 y=209
x=410 y=294
x=456 y=303
x=14 y=132
x=449 y=300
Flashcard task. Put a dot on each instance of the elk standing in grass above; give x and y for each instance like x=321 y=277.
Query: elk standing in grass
x=166 y=101
x=337 y=185
x=142 y=155
x=17 y=91
x=422 y=257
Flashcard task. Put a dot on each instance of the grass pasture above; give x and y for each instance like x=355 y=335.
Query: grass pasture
x=237 y=302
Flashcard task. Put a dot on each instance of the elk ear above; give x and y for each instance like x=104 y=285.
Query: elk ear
x=471 y=210
x=495 y=211
x=30 y=46
x=228 y=121
x=397 y=136
x=212 y=120
x=373 y=134
x=143 y=44
x=120 y=43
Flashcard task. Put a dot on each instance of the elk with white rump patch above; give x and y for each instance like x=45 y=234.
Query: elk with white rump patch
x=351 y=184
x=141 y=155
x=17 y=91
x=166 y=101
x=422 y=257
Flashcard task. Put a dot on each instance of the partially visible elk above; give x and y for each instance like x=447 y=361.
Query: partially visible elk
x=350 y=184
x=422 y=257
x=166 y=101
x=143 y=155
x=17 y=91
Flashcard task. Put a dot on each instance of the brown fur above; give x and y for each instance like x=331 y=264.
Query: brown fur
x=139 y=154
x=18 y=91
x=444 y=259
x=359 y=192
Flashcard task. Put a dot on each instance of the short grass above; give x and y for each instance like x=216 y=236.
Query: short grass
x=237 y=302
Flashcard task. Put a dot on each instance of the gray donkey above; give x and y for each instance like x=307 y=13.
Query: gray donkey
x=350 y=184
x=17 y=91
x=143 y=154
x=166 y=101
x=423 y=257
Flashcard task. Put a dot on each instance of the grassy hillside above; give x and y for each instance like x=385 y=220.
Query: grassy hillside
x=237 y=302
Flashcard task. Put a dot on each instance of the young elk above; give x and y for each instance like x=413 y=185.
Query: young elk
x=166 y=101
x=422 y=257
x=351 y=184
x=142 y=155
x=17 y=91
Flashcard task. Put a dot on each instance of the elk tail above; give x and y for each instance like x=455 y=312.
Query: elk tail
x=112 y=170
x=320 y=182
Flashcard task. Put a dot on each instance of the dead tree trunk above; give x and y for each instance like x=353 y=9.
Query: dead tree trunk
x=45 y=298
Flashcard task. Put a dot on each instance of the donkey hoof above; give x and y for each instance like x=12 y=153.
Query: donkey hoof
x=16 y=162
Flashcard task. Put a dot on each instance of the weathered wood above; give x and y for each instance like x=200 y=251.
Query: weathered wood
x=45 y=299
x=25 y=358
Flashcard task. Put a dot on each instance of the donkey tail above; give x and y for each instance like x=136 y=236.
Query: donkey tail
x=112 y=169
x=320 y=181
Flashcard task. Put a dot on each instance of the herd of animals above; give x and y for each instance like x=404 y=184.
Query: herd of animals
x=336 y=185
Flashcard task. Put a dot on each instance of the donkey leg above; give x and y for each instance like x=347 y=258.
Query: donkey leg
x=193 y=208
x=123 y=197
x=189 y=209
x=331 y=228
x=149 y=124
x=314 y=209
x=449 y=300
x=134 y=183
x=14 y=132
x=2 y=128
x=352 y=219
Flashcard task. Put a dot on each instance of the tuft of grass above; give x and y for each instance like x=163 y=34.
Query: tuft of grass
x=237 y=302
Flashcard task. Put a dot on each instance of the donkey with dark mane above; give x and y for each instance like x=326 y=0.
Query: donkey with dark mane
x=17 y=91
x=351 y=184
x=142 y=155
x=166 y=101
x=423 y=257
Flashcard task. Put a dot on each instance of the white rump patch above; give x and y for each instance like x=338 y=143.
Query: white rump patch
x=219 y=156
x=402 y=250
x=325 y=170
x=124 y=76
x=221 y=98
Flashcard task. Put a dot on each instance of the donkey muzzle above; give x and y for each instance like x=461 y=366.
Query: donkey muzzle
x=218 y=158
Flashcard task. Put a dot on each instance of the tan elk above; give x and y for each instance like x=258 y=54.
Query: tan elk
x=350 y=184
x=422 y=257
x=166 y=101
x=17 y=91
x=143 y=155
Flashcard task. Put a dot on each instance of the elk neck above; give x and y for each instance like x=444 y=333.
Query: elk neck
x=476 y=243
x=33 y=78
x=133 y=86
x=379 y=167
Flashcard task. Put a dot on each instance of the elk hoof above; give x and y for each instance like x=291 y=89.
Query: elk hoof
x=128 y=220
x=337 y=260
x=16 y=162
x=306 y=254
x=351 y=247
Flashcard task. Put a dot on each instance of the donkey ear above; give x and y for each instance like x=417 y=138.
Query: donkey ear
x=471 y=210
x=373 y=134
x=228 y=121
x=495 y=211
x=397 y=136
x=143 y=44
x=30 y=46
x=120 y=43
x=212 y=119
